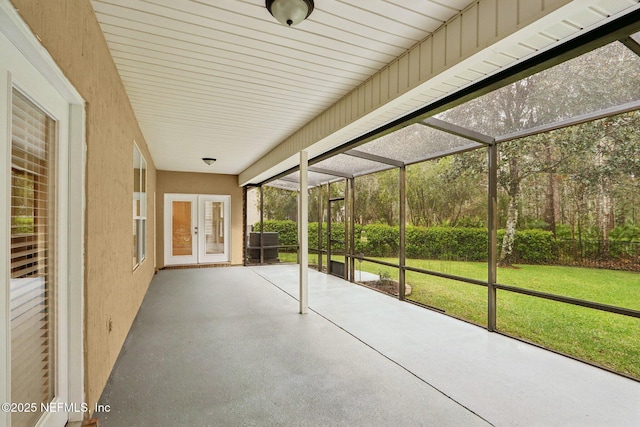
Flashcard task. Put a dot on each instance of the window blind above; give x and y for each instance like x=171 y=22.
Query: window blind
x=32 y=284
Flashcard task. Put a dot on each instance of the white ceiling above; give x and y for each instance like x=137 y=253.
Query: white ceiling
x=215 y=78
x=223 y=79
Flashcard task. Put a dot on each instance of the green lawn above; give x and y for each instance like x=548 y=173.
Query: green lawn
x=606 y=339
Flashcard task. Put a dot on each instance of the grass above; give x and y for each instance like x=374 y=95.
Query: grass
x=606 y=339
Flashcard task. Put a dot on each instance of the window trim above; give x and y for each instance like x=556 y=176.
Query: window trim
x=140 y=201
x=19 y=37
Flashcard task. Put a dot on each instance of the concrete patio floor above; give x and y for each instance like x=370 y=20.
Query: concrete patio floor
x=226 y=347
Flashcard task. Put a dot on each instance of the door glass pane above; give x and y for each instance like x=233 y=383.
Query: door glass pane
x=214 y=227
x=32 y=283
x=181 y=229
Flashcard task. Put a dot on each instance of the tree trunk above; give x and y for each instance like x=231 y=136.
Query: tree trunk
x=558 y=200
x=507 y=257
x=549 y=208
x=604 y=218
x=604 y=202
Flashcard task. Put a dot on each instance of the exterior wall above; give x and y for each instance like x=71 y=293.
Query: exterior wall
x=68 y=29
x=200 y=183
x=404 y=84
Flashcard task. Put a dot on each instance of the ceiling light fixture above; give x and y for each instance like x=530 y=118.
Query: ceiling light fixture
x=208 y=160
x=290 y=12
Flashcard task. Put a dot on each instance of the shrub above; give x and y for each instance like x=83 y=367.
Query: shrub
x=378 y=240
x=445 y=243
x=337 y=236
x=626 y=233
x=563 y=232
x=534 y=246
x=287 y=231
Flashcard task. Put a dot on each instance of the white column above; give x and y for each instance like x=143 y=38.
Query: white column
x=303 y=234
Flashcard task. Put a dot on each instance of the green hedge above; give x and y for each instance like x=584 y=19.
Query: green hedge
x=287 y=231
x=533 y=246
x=445 y=243
x=470 y=244
x=377 y=240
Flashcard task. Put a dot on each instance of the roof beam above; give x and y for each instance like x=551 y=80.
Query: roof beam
x=374 y=158
x=458 y=131
x=330 y=172
x=618 y=109
x=631 y=44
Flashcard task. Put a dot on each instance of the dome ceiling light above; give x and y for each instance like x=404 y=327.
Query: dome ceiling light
x=290 y=12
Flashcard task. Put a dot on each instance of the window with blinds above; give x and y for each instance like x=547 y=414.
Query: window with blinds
x=32 y=285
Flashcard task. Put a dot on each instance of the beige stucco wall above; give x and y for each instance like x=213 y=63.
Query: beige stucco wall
x=113 y=292
x=200 y=183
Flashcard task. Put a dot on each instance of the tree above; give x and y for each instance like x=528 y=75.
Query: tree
x=582 y=85
x=279 y=203
x=607 y=169
x=439 y=194
x=377 y=198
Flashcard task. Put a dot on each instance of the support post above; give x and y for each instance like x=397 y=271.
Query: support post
x=329 y=221
x=493 y=236
x=245 y=227
x=303 y=237
x=402 y=176
x=298 y=201
x=261 y=225
x=351 y=220
x=320 y=221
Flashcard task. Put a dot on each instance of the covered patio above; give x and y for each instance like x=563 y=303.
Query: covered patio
x=141 y=138
x=226 y=346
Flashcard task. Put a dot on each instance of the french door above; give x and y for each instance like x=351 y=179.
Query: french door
x=196 y=228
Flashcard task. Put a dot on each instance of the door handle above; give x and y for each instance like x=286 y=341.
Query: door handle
x=195 y=230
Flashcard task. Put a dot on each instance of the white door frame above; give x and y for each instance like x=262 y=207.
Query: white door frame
x=197 y=232
x=169 y=258
x=225 y=256
x=26 y=65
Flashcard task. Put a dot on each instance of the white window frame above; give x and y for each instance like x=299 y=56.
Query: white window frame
x=24 y=48
x=140 y=207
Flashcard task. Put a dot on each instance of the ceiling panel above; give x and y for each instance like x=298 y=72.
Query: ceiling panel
x=214 y=78
x=221 y=77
